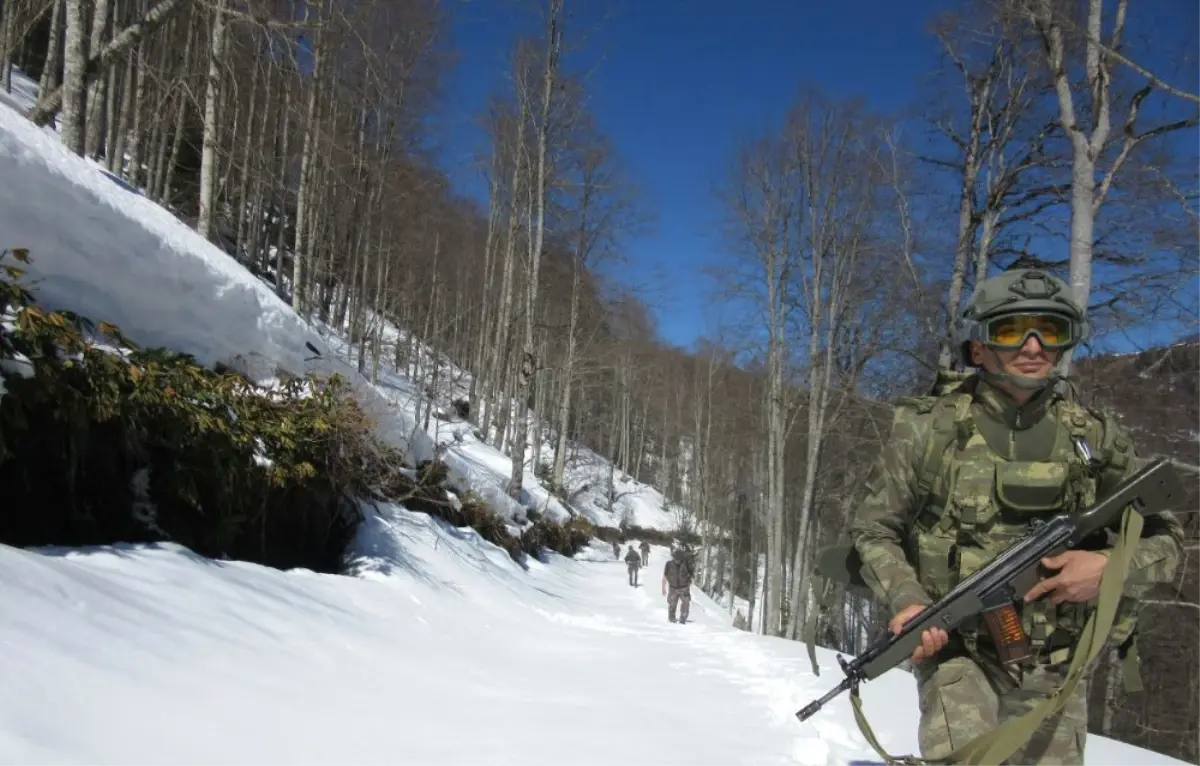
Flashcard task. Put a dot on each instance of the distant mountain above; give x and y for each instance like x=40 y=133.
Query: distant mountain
x=1155 y=392
x=1156 y=395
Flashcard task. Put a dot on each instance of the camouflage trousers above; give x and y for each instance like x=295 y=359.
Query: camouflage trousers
x=680 y=598
x=959 y=701
x=633 y=574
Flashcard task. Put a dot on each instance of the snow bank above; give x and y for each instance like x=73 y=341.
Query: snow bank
x=109 y=253
x=101 y=249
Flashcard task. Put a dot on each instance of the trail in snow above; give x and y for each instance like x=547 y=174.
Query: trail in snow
x=451 y=655
x=441 y=650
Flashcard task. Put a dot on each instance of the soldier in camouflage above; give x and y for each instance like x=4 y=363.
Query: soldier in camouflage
x=633 y=563
x=964 y=473
x=677 y=585
x=645 y=549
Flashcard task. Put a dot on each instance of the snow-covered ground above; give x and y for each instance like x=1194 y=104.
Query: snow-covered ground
x=434 y=648
x=442 y=651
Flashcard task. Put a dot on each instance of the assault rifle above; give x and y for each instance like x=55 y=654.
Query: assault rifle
x=992 y=590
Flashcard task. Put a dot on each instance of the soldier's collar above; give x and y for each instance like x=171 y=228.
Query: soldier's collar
x=1000 y=405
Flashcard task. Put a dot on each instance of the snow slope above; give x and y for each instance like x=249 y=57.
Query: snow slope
x=586 y=475
x=100 y=248
x=435 y=648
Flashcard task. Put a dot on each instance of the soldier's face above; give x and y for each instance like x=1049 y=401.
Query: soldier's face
x=1031 y=360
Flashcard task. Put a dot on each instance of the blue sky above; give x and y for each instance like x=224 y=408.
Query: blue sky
x=675 y=82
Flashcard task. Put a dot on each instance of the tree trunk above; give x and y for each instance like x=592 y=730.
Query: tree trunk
x=74 y=89
x=48 y=104
x=205 y=225
x=49 y=78
x=529 y=361
x=96 y=87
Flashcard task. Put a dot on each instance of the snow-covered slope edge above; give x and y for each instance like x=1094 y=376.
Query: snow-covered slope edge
x=105 y=251
x=587 y=475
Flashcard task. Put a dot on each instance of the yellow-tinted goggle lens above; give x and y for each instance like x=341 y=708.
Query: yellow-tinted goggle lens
x=1013 y=330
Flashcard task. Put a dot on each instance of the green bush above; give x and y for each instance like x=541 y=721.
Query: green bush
x=144 y=445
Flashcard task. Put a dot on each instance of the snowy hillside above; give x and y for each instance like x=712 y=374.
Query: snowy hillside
x=103 y=250
x=435 y=648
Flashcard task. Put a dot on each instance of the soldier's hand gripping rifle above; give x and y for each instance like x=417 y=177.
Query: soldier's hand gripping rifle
x=992 y=590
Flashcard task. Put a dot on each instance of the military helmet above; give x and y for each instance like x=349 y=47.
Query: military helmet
x=1030 y=292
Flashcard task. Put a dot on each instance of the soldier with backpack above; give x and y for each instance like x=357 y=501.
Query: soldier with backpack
x=633 y=562
x=645 y=548
x=677 y=585
x=963 y=475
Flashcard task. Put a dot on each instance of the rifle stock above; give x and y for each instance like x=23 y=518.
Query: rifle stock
x=992 y=590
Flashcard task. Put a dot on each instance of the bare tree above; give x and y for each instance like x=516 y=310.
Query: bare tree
x=1091 y=177
x=1002 y=153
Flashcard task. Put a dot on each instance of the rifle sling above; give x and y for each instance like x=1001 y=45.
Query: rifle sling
x=1000 y=743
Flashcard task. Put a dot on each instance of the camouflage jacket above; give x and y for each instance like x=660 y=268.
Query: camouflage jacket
x=886 y=532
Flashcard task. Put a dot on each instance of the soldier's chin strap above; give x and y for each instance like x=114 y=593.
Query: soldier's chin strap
x=1000 y=743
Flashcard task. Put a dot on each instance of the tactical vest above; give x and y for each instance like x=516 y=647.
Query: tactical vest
x=975 y=500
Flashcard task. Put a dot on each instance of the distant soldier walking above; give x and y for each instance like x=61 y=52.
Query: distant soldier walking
x=677 y=585
x=633 y=562
x=616 y=550
x=645 y=553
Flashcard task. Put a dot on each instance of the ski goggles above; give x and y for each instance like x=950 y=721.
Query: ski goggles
x=1012 y=330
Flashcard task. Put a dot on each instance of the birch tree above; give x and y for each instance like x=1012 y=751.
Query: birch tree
x=761 y=203
x=545 y=131
x=212 y=96
x=599 y=210
x=1086 y=112
x=1001 y=152
x=836 y=149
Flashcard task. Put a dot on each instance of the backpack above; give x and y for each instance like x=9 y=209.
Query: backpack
x=678 y=574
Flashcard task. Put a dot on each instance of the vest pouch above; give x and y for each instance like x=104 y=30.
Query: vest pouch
x=971 y=504
x=936 y=567
x=948 y=543
x=1065 y=622
x=1031 y=487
